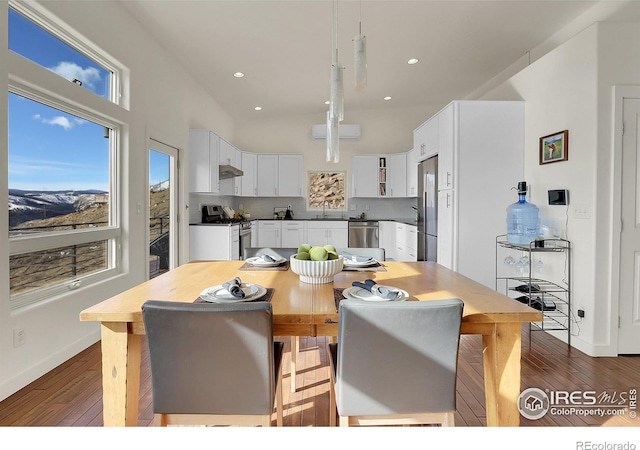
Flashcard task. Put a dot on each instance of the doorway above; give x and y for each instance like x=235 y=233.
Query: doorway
x=163 y=218
x=629 y=288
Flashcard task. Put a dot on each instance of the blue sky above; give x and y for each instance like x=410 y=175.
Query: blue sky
x=50 y=149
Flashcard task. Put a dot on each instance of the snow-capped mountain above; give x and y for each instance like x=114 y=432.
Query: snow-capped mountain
x=31 y=205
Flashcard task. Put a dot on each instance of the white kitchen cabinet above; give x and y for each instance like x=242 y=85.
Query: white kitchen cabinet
x=486 y=139
x=203 y=161
x=406 y=242
x=249 y=181
x=387 y=238
x=412 y=174
x=230 y=156
x=267 y=175
x=397 y=175
x=279 y=175
x=270 y=233
x=379 y=175
x=290 y=175
x=293 y=233
x=255 y=225
x=323 y=232
x=446 y=149
x=446 y=232
x=214 y=242
x=364 y=175
x=425 y=139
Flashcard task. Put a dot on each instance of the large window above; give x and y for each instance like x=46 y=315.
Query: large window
x=326 y=191
x=64 y=229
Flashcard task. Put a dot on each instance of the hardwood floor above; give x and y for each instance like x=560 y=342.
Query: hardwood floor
x=71 y=394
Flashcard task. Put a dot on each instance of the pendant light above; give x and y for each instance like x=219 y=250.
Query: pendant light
x=336 y=105
x=360 y=56
x=336 y=101
x=333 y=139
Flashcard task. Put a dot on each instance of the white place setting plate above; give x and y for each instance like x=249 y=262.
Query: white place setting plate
x=352 y=263
x=258 y=261
x=358 y=293
x=218 y=294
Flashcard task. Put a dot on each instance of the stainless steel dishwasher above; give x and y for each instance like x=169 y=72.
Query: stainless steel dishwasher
x=363 y=234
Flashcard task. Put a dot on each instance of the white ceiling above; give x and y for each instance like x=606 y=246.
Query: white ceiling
x=285 y=47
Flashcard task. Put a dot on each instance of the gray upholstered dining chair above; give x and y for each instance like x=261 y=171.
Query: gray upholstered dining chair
x=284 y=252
x=213 y=364
x=376 y=253
x=395 y=363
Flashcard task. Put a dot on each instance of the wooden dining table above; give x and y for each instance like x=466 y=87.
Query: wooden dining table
x=303 y=309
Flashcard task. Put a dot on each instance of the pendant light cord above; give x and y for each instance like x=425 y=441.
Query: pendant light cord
x=335 y=32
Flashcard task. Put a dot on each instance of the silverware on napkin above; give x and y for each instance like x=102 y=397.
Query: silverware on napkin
x=377 y=289
x=234 y=288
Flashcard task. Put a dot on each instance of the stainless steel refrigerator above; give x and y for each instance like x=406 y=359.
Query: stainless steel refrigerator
x=428 y=209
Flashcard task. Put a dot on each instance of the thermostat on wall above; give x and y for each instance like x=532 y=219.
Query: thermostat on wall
x=558 y=197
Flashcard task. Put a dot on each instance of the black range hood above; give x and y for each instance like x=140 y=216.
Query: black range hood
x=227 y=171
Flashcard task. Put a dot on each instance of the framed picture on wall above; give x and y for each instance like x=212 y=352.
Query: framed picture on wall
x=554 y=147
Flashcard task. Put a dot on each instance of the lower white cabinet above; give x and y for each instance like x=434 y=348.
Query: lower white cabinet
x=323 y=232
x=406 y=242
x=445 y=228
x=269 y=233
x=387 y=238
x=293 y=233
x=214 y=242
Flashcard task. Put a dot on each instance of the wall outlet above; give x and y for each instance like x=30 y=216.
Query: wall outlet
x=352 y=207
x=581 y=211
x=19 y=336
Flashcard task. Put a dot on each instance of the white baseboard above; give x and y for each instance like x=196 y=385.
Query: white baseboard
x=22 y=379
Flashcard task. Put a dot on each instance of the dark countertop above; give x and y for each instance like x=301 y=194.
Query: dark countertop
x=336 y=219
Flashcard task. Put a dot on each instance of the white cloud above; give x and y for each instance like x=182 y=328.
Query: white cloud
x=70 y=71
x=62 y=121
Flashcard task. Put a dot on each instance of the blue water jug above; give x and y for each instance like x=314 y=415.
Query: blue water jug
x=522 y=219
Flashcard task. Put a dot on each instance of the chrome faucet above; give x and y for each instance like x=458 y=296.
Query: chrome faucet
x=324 y=215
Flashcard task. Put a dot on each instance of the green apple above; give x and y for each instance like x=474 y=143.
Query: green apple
x=318 y=254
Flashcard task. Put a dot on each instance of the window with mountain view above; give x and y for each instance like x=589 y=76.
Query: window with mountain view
x=63 y=212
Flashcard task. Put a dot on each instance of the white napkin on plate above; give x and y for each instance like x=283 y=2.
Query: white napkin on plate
x=377 y=289
x=356 y=258
x=233 y=286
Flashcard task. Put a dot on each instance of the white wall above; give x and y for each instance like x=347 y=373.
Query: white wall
x=165 y=103
x=571 y=88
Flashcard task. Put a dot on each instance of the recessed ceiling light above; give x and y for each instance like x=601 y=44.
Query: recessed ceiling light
x=413 y=61
x=238 y=75
x=258 y=108
x=387 y=98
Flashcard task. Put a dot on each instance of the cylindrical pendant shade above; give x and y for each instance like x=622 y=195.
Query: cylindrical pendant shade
x=333 y=139
x=360 y=61
x=336 y=106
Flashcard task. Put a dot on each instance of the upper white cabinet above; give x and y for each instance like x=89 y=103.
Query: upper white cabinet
x=267 y=175
x=290 y=175
x=397 y=175
x=445 y=148
x=204 y=148
x=480 y=158
x=412 y=174
x=364 y=176
x=379 y=175
x=249 y=181
x=279 y=175
x=426 y=139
